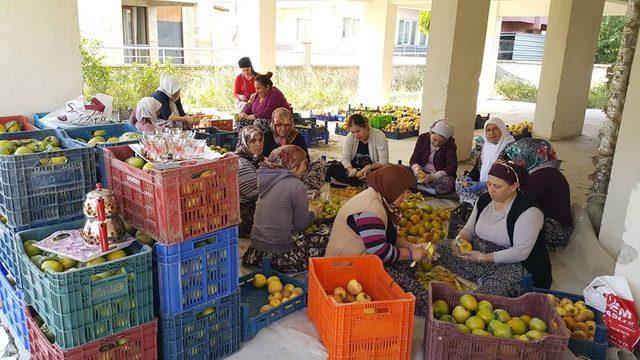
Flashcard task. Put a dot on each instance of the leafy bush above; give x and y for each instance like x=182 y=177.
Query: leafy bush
x=598 y=97
x=516 y=90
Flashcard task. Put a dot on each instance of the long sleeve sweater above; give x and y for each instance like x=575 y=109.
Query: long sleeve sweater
x=525 y=232
x=262 y=110
x=378 y=148
x=247 y=181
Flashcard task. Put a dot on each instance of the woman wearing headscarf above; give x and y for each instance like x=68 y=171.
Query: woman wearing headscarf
x=283 y=132
x=249 y=151
x=434 y=161
x=145 y=115
x=546 y=186
x=496 y=138
x=366 y=224
x=504 y=231
x=244 y=89
x=168 y=94
x=268 y=99
x=282 y=210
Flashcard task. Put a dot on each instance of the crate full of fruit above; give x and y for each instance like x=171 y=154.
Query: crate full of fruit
x=197 y=271
x=267 y=296
x=11 y=124
x=172 y=205
x=139 y=342
x=485 y=326
x=358 y=310
x=82 y=302
x=43 y=176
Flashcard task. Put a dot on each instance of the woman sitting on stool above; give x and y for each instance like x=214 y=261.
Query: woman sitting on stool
x=434 y=161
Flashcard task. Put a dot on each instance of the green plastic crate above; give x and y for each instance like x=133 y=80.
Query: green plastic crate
x=78 y=308
x=380 y=121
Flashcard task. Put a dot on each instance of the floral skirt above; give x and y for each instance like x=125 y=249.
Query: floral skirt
x=295 y=260
x=443 y=185
x=555 y=234
x=402 y=273
x=315 y=176
x=247 y=210
x=493 y=279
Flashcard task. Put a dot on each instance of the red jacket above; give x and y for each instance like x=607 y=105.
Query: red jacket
x=445 y=158
x=244 y=87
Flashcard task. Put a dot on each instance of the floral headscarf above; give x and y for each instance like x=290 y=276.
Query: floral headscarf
x=533 y=154
x=286 y=157
x=281 y=111
x=391 y=181
x=242 y=149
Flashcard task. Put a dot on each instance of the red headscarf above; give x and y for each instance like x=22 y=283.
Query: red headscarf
x=391 y=181
x=286 y=157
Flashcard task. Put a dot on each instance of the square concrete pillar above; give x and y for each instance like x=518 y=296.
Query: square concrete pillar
x=567 y=64
x=257 y=33
x=490 y=57
x=376 y=52
x=454 y=60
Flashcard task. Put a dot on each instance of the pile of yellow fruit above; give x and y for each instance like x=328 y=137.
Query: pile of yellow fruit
x=427 y=273
x=278 y=294
x=425 y=224
x=519 y=128
x=219 y=149
x=479 y=318
x=329 y=207
x=11 y=126
x=577 y=316
x=352 y=293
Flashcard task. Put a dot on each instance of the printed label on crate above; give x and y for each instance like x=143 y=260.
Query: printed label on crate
x=70 y=244
x=44 y=177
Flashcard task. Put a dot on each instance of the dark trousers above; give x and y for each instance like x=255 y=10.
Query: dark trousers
x=336 y=170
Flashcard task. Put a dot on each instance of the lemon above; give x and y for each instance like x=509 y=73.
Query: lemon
x=259 y=280
x=30 y=249
x=67 y=263
x=96 y=261
x=118 y=254
x=52 y=265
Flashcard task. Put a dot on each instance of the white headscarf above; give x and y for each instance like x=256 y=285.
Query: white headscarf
x=147 y=108
x=169 y=85
x=491 y=151
x=443 y=128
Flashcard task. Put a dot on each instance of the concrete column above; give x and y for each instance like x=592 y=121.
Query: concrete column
x=490 y=57
x=258 y=40
x=625 y=171
x=376 y=56
x=454 y=61
x=152 y=18
x=628 y=260
x=566 y=68
x=102 y=20
x=40 y=56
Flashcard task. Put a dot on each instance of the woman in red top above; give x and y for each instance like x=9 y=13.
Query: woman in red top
x=244 y=89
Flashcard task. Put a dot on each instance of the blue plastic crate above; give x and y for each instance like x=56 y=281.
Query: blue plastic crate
x=594 y=350
x=207 y=331
x=340 y=131
x=32 y=193
x=8 y=255
x=13 y=308
x=111 y=130
x=79 y=307
x=252 y=299
x=37 y=120
x=213 y=135
x=197 y=271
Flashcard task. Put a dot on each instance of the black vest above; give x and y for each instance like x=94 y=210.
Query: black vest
x=538 y=263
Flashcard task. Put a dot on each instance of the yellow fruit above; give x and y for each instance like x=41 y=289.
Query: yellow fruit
x=340 y=292
x=52 y=265
x=370 y=311
x=485 y=304
x=503 y=331
x=274 y=302
x=206 y=312
x=363 y=298
x=259 y=281
x=502 y=315
x=517 y=326
x=440 y=307
x=353 y=287
x=463 y=328
x=274 y=286
x=475 y=322
x=97 y=261
x=275 y=295
x=67 y=263
x=29 y=249
x=464 y=246
x=486 y=315
x=537 y=324
x=480 y=332
x=460 y=314
x=298 y=291
x=286 y=293
x=272 y=278
x=289 y=287
x=206 y=173
x=469 y=302
x=118 y=254
x=293 y=295
x=525 y=318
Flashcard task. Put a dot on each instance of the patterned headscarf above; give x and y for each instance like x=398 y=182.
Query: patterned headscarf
x=242 y=149
x=292 y=130
x=533 y=154
x=391 y=181
x=286 y=157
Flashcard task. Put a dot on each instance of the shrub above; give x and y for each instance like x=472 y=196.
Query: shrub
x=517 y=90
x=598 y=96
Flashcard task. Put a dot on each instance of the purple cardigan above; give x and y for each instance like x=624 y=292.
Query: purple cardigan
x=445 y=158
x=263 y=110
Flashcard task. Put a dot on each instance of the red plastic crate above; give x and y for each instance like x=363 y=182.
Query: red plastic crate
x=23 y=120
x=345 y=330
x=226 y=124
x=442 y=340
x=141 y=342
x=175 y=205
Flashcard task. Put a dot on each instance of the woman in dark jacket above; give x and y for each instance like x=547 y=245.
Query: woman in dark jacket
x=168 y=94
x=546 y=186
x=434 y=161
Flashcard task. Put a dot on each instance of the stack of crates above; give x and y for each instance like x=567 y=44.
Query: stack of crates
x=192 y=212
x=35 y=193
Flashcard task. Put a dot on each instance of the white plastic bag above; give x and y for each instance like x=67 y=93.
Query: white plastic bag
x=611 y=295
x=97 y=111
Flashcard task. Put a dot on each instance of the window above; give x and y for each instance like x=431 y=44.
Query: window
x=350 y=27
x=302 y=29
x=407 y=31
x=423 y=39
x=135 y=32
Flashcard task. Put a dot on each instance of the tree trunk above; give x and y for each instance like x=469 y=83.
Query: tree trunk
x=609 y=131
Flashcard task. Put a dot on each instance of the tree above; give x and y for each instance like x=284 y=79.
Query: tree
x=609 y=131
x=424 y=21
x=609 y=39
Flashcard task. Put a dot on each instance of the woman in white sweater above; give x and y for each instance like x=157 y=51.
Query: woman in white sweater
x=365 y=149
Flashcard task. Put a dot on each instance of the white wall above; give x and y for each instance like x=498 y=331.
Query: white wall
x=40 y=55
x=102 y=20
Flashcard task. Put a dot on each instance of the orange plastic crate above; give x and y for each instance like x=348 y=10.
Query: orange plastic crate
x=175 y=205
x=21 y=119
x=225 y=124
x=345 y=330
